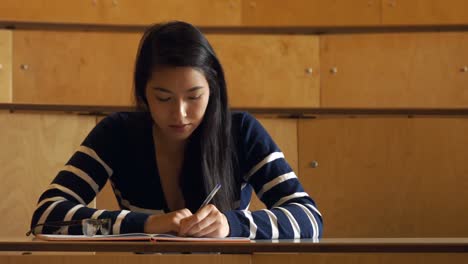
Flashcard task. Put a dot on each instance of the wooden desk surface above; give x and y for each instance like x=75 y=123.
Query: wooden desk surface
x=339 y=245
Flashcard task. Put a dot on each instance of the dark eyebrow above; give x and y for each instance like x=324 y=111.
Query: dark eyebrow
x=169 y=91
x=194 y=89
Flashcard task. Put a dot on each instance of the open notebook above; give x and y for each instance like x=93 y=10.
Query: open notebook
x=138 y=237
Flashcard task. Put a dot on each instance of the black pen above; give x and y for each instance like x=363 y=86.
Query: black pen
x=210 y=196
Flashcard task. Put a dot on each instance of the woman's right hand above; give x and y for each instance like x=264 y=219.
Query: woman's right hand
x=166 y=223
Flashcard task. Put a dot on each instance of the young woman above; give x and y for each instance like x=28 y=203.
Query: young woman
x=164 y=160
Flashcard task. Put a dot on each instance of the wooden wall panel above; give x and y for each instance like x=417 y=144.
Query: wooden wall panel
x=78 y=68
x=424 y=12
x=33 y=149
x=270 y=70
x=238 y=12
x=387 y=177
x=394 y=70
x=5 y=65
x=310 y=13
x=122 y=12
x=95 y=68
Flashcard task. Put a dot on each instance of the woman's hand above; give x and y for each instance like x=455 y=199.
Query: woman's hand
x=166 y=223
x=207 y=222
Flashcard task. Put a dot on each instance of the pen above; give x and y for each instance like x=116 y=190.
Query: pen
x=210 y=196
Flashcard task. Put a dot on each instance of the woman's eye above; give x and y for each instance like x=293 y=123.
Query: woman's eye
x=163 y=99
x=195 y=97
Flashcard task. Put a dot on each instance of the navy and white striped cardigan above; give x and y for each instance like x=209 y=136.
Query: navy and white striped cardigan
x=121 y=149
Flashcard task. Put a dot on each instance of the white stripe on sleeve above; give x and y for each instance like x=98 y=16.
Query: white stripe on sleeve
x=292 y=220
x=83 y=175
x=314 y=209
x=51 y=199
x=289 y=197
x=97 y=214
x=274 y=224
x=267 y=186
x=118 y=222
x=67 y=191
x=312 y=219
x=46 y=214
x=273 y=156
x=90 y=152
x=69 y=216
x=253 y=226
x=243 y=185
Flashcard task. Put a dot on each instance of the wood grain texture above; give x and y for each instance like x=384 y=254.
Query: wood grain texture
x=270 y=70
x=122 y=12
x=394 y=70
x=285 y=246
x=121 y=258
x=310 y=13
x=33 y=149
x=424 y=12
x=359 y=258
x=262 y=258
x=84 y=68
x=6 y=52
x=387 y=177
x=95 y=68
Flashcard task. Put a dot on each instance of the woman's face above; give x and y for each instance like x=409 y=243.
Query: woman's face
x=177 y=98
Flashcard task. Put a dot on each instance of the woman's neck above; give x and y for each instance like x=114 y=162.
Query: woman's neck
x=169 y=146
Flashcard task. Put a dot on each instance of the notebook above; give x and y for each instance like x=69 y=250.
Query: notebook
x=138 y=237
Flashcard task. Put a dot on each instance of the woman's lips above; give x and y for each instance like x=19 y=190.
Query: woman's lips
x=179 y=128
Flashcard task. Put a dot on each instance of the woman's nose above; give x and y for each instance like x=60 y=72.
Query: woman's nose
x=180 y=109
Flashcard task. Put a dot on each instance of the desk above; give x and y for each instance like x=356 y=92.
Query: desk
x=332 y=250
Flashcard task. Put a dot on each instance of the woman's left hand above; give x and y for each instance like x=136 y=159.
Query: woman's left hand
x=206 y=222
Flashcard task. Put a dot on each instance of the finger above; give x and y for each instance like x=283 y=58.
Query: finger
x=177 y=217
x=220 y=228
x=187 y=225
x=214 y=233
x=183 y=213
x=212 y=228
x=194 y=219
x=205 y=223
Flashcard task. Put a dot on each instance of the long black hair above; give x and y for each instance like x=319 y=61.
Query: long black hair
x=209 y=156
